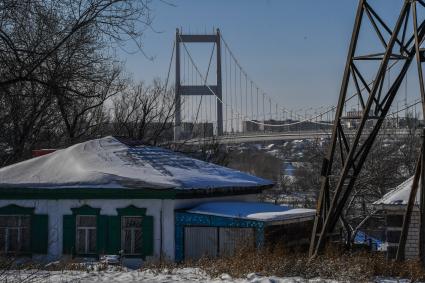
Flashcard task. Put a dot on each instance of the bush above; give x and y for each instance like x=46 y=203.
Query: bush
x=333 y=264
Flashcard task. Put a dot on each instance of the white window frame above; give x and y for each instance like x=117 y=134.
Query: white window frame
x=132 y=234
x=87 y=229
x=19 y=228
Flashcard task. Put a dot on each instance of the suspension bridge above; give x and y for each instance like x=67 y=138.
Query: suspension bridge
x=228 y=106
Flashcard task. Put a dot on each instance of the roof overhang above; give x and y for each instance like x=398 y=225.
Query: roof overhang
x=394 y=207
x=124 y=193
x=297 y=219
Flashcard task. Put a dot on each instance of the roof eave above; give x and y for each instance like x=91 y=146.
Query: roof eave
x=393 y=207
x=221 y=191
x=123 y=193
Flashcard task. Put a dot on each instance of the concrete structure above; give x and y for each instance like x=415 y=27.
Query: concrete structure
x=292 y=135
x=198 y=130
x=198 y=89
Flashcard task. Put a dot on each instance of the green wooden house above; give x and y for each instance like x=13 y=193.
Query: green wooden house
x=108 y=196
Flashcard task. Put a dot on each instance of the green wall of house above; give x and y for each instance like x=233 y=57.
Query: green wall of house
x=108 y=229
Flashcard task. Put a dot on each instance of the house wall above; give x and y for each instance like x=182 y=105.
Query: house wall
x=394 y=222
x=169 y=240
x=55 y=209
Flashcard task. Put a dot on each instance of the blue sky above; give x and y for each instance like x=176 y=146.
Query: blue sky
x=294 y=50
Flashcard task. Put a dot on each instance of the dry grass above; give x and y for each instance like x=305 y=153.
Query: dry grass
x=333 y=264
x=60 y=265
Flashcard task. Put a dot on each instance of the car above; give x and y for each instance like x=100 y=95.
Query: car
x=111 y=259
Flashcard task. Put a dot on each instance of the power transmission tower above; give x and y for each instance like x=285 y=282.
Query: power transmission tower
x=399 y=46
x=198 y=89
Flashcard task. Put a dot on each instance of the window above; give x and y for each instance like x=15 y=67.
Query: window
x=131 y=235
x=86 y=234
x=15 y=233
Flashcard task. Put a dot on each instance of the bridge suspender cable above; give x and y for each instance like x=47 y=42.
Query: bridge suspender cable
x=169 y=67
x=230 y=106
x=205 y=83
x=312 y=119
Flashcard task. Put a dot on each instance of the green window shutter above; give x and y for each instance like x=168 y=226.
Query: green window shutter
x=102 y=232
x=39 y=233
x=114 y=235
x=68 y=234
x=147 y=232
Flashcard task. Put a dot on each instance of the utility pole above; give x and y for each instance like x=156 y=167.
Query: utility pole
x=375 y=103
x=421 y=159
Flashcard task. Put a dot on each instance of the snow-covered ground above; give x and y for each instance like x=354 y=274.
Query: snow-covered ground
x=175 y=275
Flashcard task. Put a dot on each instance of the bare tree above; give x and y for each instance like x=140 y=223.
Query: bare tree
x=57 y=70
x=23 y=115
x=145 y=112
x=307 y=173
x=31 y=32
x=281 y=192
x=391 y=161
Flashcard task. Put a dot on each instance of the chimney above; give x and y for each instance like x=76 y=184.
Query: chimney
x=41 y=152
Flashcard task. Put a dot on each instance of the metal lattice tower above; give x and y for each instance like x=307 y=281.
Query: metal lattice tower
x=401 y=45
x=181 y=90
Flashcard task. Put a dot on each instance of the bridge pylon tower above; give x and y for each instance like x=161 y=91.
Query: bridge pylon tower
x=190 y=90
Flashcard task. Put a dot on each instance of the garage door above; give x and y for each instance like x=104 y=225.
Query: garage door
x=214 y=241
x=199 y=242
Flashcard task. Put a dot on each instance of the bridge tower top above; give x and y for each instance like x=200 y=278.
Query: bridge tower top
x=201 y=89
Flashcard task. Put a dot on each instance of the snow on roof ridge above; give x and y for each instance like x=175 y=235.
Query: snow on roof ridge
x=82 y=165
x=399 y=195
x=108 y=162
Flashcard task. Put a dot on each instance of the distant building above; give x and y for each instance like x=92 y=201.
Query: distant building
x=352 y=118
x=251 y=126
x=196 y=130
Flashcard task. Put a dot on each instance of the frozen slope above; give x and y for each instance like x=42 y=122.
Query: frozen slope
x=108 y=163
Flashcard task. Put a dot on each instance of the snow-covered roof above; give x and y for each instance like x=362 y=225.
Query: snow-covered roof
x=400 y=195
x=109 y=163
x=261 y=211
